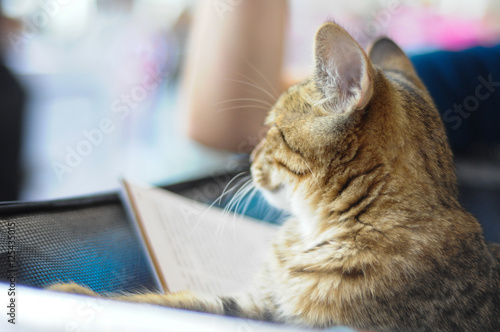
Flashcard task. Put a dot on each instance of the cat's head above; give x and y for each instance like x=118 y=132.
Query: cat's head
x=361 y=126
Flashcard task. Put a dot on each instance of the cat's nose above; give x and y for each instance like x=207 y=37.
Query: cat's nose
x=257 y=149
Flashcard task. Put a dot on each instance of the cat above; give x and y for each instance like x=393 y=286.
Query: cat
x=377 y=238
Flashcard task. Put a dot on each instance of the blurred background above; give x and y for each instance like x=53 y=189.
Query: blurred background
x=97 y=94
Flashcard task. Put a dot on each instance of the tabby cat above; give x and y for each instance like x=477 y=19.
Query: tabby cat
x=377 y=239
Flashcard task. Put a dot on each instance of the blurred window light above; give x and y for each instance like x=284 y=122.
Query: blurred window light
x=73 y=19
x=160 y=13
x=470 y=9
x=18 y=8
x=58 y=18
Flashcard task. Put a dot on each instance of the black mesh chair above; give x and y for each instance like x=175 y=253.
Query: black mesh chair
x=88 y=240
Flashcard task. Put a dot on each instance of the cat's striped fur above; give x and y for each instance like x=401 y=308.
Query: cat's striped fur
x=358 y=155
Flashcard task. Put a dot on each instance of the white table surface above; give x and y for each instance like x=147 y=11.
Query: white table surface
x=43 y=310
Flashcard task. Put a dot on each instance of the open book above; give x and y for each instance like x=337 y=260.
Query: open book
x=194 y=247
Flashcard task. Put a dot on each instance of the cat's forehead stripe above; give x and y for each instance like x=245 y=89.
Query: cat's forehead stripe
x=292 y=103
x=410 y=92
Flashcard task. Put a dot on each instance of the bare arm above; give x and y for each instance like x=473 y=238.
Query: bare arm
x=233 y=71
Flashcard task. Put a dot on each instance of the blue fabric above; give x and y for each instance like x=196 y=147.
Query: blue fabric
x=452 y=79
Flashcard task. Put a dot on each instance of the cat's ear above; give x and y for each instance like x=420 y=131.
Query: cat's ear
x=388 y=55
x=343 y=72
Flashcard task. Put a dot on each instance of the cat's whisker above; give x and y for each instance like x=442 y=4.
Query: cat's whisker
x=228 y=184
x=312 y=173
x=249 y=188
x=237 y=196
x=262 y=75
x=225 y=192
x=282 y=213
x=244 y=106
x=250 y=198
x=245 y=99
x=239 y=187
x=234 y=199
x=274 y=94
x=254 y=86
x=231 y=203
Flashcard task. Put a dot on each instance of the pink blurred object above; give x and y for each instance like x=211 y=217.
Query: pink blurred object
x=415 y=28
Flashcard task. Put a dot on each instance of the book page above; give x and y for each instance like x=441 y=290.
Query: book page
x=197 y=248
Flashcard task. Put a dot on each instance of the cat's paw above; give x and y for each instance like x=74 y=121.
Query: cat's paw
x=72 y=288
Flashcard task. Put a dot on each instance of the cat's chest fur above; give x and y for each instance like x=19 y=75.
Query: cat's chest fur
x=329 y=277
x=307 y=273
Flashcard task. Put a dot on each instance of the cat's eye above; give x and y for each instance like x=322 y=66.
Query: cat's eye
x=288 y=168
